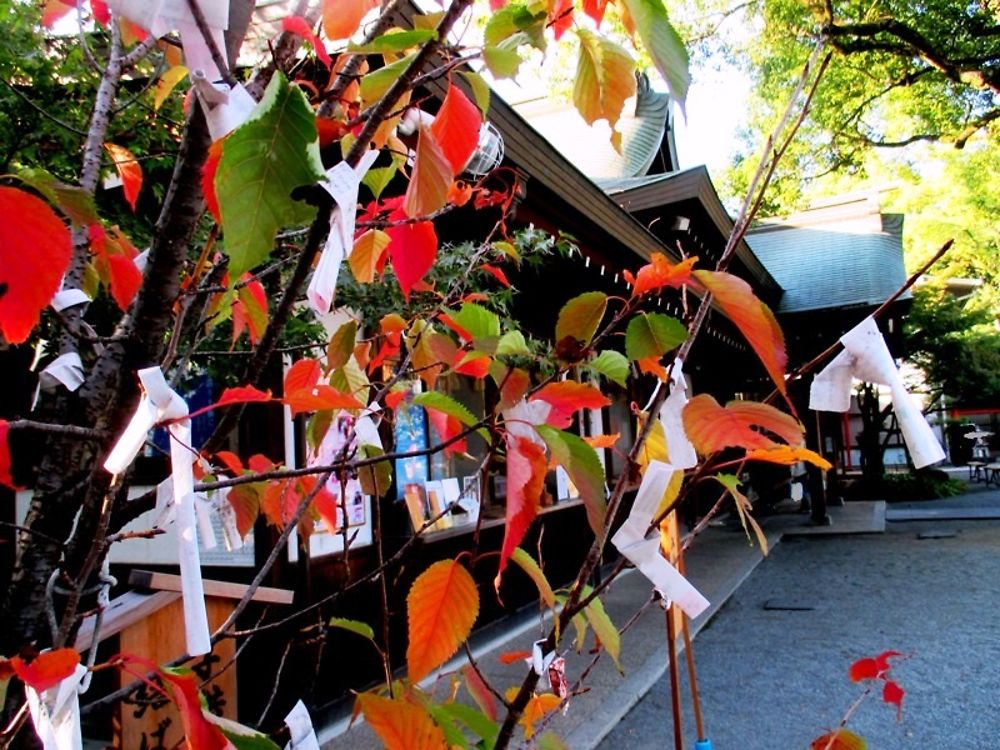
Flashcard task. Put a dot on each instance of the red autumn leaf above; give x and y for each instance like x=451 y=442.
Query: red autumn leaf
x=298 y=25
x=453 y=325
x=260 y=463
x=320 y=398
x=497 y=4
x=231 y=461
x=841 y=739
x=561 y=17
x=132 y=33
x=279 y=502
x=512 y=657
x=660 y=273
x=199 y=732
x=6 y=478
x=128 y=169
x=883 y=659
x=341 y=18
x=47 y=669
x=125 y=280
x=480 y=692
x=242 y=395
x=710 y=427
x=54 y=10
x=326 y=505
x=35 y=251
x=441 y=609
x=393 y=399
x=566 y=398
x=244 y=499
x=430 y=178
x=864 y=669
x=513 y=387
x=893 y=694
x=595 y=9
x=456 y=128
x=99 y=9
x=208 y=179
x=412 y=249
x=475 y=366
x=447 y=427
x=250 y=310
x=526 y=468
x=497 y=273
x=304 y=374
x=754 y=319
x=401 y=724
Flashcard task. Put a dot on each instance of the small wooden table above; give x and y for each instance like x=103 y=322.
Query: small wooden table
x=149 y=623
x=992 y=473
x=976 y=470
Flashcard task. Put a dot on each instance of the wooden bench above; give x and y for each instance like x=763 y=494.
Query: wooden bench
x=149 y=622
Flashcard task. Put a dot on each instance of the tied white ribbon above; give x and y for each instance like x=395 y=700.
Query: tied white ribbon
x=679 y=447
x=159 y=403
x=56 y=712
x=342 y=182
x=300 y=727
x=644 y=553
x=866 y=357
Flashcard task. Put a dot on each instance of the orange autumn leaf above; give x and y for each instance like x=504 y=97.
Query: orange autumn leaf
x=441 y=609
x=602 y=441
x=401 y=724
x=47 y=669
x=787 y=455
x=512 y=657
x=459 y=193
x=430 y=178
x=535 y=711
x=208 y=171
x=754 y=319
x=652 y=366
x=526 y=468
x=567 y=397
x=319 y=398
x=199 y=732
x=456 y=128
x=128 y=170
x=841 y=739
x=480 y=692
x=739 y=424
x=341 y=18
x=660 y=273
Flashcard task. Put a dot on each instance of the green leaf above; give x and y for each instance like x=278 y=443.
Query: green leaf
x=664 y=44
x=612 y=365
x=583 y=466
x=262 y=161
x=75 y=202
x=242 y=737
x=351 y=379
x=341 y=346
x=602 y=625
x=744 y=508
x=480 y=90
x=452 y=732
x=504 y=60
x=355 y=626
x=446 y=404
x=378 y=178
x=376 y=83
x=516 y=20
x=580 y=317
x=478 y=321
x=529 y=566
x=478 y=722
x=653 y=335
x=605 y=78
x=376 y=479
x=513 y=343
x=551 y=741
x=317 y=426
x=394 y=40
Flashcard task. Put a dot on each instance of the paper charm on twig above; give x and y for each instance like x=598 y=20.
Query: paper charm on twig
x=342 y=181
x=644 y=553
x=866 y=357
x=68 y=298
x=300 y=728
x=56 y=712
x=160 y=17
x=679 y=448
x=520 y=419
x=160 y=403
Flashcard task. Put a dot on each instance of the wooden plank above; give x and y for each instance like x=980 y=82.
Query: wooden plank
x=168 y=582
x=123 y=612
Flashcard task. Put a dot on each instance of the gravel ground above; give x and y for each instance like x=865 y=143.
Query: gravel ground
x=776 y=677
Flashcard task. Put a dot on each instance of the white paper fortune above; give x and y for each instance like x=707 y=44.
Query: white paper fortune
x=160 y=17
x=159 y=403
x=68 y=298
x=56 y=712
x=300 y=728
x=644 y=553
x=679 y=448
x=342 y=181
x=866 y=357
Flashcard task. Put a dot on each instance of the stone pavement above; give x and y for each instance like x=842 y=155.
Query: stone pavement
x=775 y=677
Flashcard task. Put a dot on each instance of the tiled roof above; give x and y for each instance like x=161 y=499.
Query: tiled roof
x=833 y=258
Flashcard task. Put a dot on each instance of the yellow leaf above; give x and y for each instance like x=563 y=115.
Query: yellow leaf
x=441 y=608
x=166 y=84
x=744 y=508
x=537 y=707
x=368 y=248
x=788 y=455
x=401 y=724
x=430 y=180
x=605 y=78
